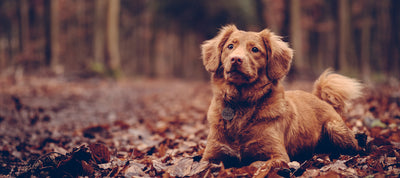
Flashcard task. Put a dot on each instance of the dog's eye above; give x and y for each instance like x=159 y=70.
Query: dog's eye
x=230 y=46
x=254 y=49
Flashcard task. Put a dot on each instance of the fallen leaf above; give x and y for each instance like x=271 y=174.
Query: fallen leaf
x=100 y=153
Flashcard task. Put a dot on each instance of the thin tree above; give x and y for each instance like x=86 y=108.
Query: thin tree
x=296 y=35
x=23 y=22
x=344 y=34
x=113 y=55
x=366 y=41
x=99 y=36
x=52 y=29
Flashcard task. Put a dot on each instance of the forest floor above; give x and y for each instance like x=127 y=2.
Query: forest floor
x=60 y=126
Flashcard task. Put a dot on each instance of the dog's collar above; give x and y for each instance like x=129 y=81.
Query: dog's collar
x=234 y=104
x=249 y=100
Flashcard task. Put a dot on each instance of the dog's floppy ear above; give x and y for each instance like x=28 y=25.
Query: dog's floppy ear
x=279 y=55
x=211 y=49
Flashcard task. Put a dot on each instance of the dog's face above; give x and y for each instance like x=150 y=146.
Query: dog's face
x=244 y=57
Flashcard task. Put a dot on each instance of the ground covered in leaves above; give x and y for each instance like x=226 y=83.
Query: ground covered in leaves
x=60 y=126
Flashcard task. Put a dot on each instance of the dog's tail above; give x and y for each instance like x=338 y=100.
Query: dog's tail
x=336 y=89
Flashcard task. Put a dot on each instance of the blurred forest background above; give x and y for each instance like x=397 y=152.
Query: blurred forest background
x=161 y=39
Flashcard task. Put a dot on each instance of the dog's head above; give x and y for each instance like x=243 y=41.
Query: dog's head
x=243 y=57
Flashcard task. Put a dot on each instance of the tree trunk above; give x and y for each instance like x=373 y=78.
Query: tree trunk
x=344 y=34
x=395 y=40
x=366 y=43
x=385 y=36
x=52 y=31
x=47 y=29
x=113 y=55
x=55 y=30
x=3 y=62
x=99 y=35
x=297 y=36
x=274 y=14
x=23 y=21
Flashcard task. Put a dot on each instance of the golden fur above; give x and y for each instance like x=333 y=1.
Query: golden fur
x=269 y=123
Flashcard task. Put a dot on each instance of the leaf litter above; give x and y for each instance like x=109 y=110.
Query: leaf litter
x=61 y=127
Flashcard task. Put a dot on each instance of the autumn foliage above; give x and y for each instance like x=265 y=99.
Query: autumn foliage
x=64 y=126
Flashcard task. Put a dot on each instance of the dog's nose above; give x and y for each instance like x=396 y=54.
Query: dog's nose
x=236 y=60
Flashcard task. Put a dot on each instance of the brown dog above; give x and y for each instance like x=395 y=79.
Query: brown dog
x=252 y=118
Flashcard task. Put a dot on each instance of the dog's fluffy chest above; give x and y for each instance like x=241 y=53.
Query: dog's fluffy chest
x=239 y=128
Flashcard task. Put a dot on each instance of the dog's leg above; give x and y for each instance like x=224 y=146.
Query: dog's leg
x=341 y=136
x=278 y=158
x=216 y=152
x=268 y=166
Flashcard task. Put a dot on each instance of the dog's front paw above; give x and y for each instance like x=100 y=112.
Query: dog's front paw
x=272 y=166
x=217 y=152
